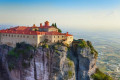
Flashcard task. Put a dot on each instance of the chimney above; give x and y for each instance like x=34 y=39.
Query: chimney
x=67 y=34
x=46 y=23
x=40 y=24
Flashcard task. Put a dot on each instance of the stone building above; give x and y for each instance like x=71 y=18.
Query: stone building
x=34 y=35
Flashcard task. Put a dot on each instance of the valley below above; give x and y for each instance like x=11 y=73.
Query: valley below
x=108 y=46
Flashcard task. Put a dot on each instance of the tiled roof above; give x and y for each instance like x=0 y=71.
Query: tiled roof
x=57 y=33
x=22 y=30
x=27 y=30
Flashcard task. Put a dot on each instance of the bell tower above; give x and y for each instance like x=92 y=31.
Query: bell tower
x=46 y=23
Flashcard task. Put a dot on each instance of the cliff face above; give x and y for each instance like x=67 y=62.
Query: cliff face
x=53 y=63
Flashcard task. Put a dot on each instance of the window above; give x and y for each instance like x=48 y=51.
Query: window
x=18 y=35
x=62 y=36
x=24 y=36
x=54 y=40
x=14 y=35
x=3 y=34
x=27 y=36
x=54 y=36
x=6 y=34
x=9 y=35
x=21 y=35
x=33 y=36
x=58 y=36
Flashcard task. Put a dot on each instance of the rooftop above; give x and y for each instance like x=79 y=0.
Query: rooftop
x=28 y=31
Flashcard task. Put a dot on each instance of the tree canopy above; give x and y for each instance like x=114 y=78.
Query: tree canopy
x=55 y=25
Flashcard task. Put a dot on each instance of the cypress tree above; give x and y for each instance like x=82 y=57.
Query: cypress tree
x=53 y=24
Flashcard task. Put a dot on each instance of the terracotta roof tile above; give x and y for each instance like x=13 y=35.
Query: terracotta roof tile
x=27 y=30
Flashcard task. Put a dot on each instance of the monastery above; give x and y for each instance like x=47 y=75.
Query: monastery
x=34 y=35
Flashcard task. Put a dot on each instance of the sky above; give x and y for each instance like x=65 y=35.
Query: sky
x=73 y=14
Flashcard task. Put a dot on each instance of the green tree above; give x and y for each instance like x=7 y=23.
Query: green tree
x=59 y=30
x=53 y=24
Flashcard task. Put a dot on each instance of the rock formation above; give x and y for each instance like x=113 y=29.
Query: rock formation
x=56 y=62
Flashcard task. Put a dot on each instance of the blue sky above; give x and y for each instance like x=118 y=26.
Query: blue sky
x=94 y=14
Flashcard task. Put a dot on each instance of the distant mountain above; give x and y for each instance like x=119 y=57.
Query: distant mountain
x=2 y=26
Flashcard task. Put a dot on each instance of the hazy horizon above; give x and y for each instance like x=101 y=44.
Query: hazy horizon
x=83 y=14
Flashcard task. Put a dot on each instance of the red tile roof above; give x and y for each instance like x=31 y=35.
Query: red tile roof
x=27 y=30
x=57 y=33
x=22 y=30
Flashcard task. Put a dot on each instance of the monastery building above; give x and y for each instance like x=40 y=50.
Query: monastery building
x=34 y=35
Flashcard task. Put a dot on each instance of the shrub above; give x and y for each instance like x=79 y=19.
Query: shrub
x=12 y=53
x=45 y=46
x=22 y=53
x=82 y=44
x=70 y=74
x=70 y=64
x=100 y=76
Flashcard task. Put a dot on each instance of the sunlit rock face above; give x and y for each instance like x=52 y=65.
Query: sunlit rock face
x=58 y=63
x=87 y=63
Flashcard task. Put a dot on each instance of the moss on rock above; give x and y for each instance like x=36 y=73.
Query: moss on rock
x=100 y=76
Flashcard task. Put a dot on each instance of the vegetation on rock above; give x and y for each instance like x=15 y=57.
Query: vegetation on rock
x=82 y=44
x=45 y=46
x=93 y=51
x=100 y=76
x=20 y=55
x=70 y=74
